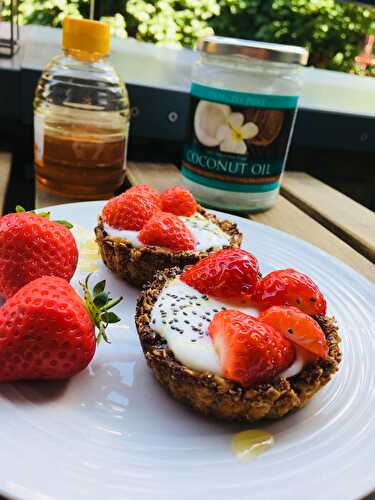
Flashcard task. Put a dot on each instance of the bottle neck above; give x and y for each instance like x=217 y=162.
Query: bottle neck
x=82 y=55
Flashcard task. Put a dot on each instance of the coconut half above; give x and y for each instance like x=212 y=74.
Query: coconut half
x=208 y=118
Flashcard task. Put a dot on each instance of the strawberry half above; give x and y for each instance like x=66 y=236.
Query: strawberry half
x=288 y=287
x=132 y=209
x=47 y=331
x=168 y=231
x=179 y=201
x=32 y=246
x=298 y=327
x=250 y=352
x=228 y=273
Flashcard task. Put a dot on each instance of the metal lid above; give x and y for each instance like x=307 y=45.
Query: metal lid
x=222 y=46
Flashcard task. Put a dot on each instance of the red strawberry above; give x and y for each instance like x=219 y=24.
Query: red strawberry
x=179 y=201
x=148 y=191
x=298 y=327
x=288 y=287
x=227 y=273
x=46 y=331
x=167 y=230
x=32 y=246
x=132 y=209
x=250 y=352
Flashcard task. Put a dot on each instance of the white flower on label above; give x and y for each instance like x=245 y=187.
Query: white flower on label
x=232 y=135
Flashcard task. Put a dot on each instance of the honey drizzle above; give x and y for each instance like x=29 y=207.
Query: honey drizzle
x=247 y=445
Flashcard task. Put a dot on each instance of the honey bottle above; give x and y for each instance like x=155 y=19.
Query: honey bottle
x=81 y=117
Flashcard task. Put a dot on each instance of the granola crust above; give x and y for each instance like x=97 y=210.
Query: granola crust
x=218 y=397
x=138 y=266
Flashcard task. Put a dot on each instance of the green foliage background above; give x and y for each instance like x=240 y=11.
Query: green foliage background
x=333 y=31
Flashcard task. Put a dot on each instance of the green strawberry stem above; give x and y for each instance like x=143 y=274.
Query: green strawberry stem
x=46 y=215
x=98 y=303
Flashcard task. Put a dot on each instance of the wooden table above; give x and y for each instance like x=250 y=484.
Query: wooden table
x=307 y=208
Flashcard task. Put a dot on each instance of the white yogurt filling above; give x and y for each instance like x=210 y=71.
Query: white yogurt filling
x=207 y=234
x=181 y=316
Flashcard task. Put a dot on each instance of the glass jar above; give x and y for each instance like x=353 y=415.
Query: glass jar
x=244 y=97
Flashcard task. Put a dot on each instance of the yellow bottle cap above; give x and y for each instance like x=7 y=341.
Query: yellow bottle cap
x=86 y=36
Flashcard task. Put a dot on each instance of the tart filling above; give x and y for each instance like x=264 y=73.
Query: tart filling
x=206 y=233
x=181 y=315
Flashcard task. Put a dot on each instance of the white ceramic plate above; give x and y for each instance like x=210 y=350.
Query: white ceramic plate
x=113 y=433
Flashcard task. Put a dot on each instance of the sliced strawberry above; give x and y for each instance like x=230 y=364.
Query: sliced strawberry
x=250 y=352
x=228 y=273
x=167 y=230
x=179 y=201
x=298 y=327
x=132 y=209
x=288 y=287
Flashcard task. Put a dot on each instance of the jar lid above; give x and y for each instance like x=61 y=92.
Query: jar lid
x=223 y=46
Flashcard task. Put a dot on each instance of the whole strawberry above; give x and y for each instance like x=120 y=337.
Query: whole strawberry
x=250 y=352
x=288 y=287
x=179 y=201
x=32 y=246
x=47 y=331
x=132 y=209
x=168 y=231
x=228 y=273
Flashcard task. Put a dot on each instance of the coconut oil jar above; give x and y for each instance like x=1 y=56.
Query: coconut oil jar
x=244 y=98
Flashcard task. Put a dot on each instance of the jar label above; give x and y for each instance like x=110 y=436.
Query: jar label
x=239 y=140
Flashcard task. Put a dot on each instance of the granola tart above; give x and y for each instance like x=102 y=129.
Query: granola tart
x=138 y=265
x=216 y=396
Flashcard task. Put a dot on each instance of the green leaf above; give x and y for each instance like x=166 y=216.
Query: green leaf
x=99 y=287
x=65 y=223
x=19 y=209
x=46 y=215
x=101 y=299
x=111 y=317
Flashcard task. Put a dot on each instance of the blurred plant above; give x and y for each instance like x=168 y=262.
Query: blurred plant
x=47 y=12
x=171 y=23
x=117 y=25
x=332 y=30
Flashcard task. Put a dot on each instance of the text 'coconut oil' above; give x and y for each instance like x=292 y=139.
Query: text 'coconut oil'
x=244 y=98
x=81 y=117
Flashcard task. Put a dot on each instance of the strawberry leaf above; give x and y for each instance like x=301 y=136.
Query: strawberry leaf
x=101 y=299
x=98 y=302
x=46 y=215
x=65 y=223
x=111 y=317
x=99 y=287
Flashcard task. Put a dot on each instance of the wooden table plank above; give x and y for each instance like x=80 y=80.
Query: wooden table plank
x=351 y=221
x=5 y=170
x=289 y=218
x=159 y=175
